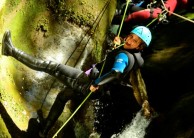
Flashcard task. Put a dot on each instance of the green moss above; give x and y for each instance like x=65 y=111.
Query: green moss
x=11 y=5
x=43 y=26
x=21 y=20
x=84 y=15
x=1 y=24
x=97 y=52
x=3 y=130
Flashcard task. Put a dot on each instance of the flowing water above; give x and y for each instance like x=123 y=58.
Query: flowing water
x=136 y=129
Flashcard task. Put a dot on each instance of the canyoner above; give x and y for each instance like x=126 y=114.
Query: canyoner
x=77 y=83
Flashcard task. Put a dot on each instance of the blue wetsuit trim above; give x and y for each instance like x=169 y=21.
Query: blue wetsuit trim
x=121 y=62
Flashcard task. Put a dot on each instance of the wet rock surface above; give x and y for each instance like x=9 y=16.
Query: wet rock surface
x=168 y=74
x=169 y=79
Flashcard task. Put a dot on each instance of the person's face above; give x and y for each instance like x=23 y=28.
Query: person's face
x=133 y=41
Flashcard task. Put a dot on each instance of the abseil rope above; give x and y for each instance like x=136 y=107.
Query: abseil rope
x=128 y=1
x=175 y=13
x=115 y=47
x=159 y=16
x=118 y=35
x=103 y=9
x=167 y=11
x=93 y=32
x=55 y=135
x=90 y=91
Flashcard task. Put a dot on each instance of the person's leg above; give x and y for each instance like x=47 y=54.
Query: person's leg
x=56 y=110
x=8 y=49
x=72 y=77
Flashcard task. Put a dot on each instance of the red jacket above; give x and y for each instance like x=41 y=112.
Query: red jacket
x=142 y=15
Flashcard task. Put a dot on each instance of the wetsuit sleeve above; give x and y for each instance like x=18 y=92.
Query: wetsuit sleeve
x=121 y=62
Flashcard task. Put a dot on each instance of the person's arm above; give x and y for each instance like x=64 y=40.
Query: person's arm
x=121 y=62
x=108 y=77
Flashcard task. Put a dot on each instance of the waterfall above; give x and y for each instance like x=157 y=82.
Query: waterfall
x=136 y=129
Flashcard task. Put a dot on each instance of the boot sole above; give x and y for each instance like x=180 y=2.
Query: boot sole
x=40 y=117
x=3 y=51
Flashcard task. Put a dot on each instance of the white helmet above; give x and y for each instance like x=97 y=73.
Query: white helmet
x=144 y=33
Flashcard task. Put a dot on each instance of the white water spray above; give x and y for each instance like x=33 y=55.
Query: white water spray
x=136 y=129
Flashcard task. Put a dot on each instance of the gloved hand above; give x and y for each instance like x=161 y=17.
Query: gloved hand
x=93 y=88
x=117 y=40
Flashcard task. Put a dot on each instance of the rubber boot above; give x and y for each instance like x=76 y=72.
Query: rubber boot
x=54 y=114
x=6 y=44
x=9 y=50
x=71 y=77
x=40 y=118
x=56 y=110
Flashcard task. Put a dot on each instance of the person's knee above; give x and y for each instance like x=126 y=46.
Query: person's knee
x=65 y=95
